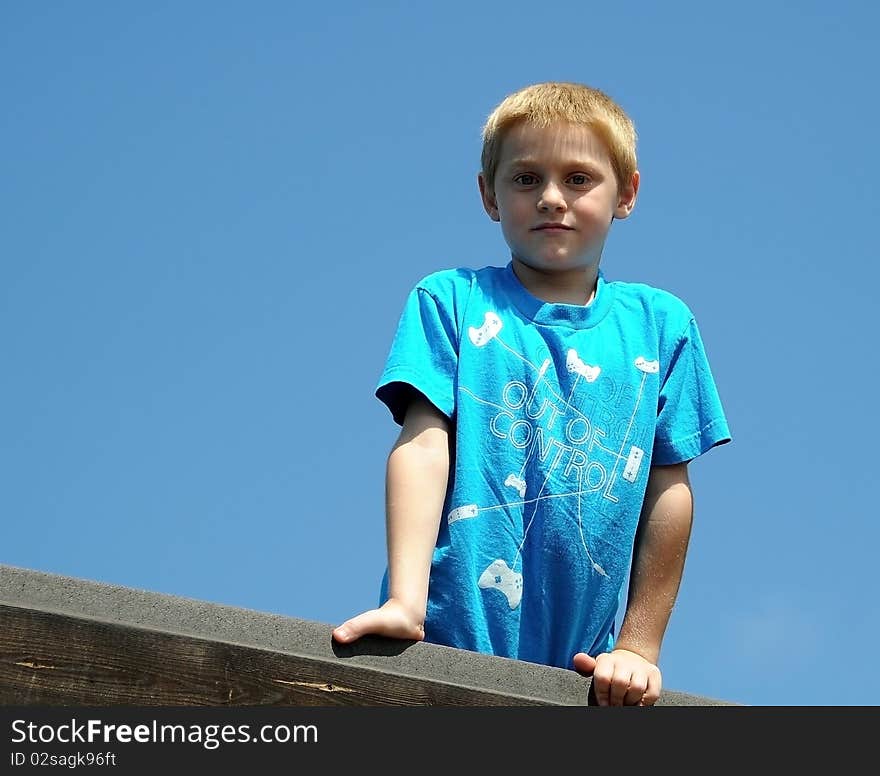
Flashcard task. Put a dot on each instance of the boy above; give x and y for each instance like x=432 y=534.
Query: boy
x=548 y=417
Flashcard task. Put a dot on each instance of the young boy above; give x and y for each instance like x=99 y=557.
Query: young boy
x=548 y=417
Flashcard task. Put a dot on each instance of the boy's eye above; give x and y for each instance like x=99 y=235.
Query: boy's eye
x=526 y=179
x=579 y=179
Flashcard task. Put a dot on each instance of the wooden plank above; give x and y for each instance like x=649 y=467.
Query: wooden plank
x=66 y=640
x=51 y=658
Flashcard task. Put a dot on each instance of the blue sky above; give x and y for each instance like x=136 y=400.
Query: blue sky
x=210 y=216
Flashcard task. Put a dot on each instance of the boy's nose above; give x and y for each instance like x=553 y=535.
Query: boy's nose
x=551 y=198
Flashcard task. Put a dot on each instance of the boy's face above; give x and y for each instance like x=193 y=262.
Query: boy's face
x=555 y=195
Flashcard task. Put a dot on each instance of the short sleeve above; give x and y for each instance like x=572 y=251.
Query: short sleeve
x=423 y=356
x=690 y=418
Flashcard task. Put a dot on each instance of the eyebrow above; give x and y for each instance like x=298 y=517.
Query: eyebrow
x=568 y=163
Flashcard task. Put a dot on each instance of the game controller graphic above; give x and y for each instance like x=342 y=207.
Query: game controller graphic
x=648 y=367
x=631 y=470
x=490 y=328
x=462 y=513
x=574 y=364
x=519 y=483
x=499 y=576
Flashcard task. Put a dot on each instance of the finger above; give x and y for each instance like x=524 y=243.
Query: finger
x=620 y=683
x=638 y=683
x=583 y=663
x=652 y=692
x=353 y=629
x=602 y=675
x=387 y=621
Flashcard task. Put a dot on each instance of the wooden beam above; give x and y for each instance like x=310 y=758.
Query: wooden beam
x=55 y=659
x=73 y=642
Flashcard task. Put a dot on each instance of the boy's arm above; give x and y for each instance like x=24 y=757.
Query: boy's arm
x=629 y=674
x=658 y=560
x=415 y=488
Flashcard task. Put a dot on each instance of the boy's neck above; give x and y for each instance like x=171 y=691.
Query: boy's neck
x=576 y=286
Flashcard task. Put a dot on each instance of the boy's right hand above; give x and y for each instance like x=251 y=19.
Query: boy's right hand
x=392 y=619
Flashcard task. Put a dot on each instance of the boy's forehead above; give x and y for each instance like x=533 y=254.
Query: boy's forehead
x=525 y=142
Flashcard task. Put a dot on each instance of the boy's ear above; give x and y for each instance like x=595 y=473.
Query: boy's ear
x=627 y=200
x=490 y=203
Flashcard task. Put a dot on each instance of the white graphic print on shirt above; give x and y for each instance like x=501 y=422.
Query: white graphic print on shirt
x=582 y=439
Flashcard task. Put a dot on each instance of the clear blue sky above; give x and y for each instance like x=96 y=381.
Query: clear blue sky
x=211 y=213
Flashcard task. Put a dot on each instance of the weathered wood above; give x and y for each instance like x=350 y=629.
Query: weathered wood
x=55 y=659
x=66 y=641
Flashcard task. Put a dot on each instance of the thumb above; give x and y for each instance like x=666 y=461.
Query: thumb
x=583 y=663
x=353 y=629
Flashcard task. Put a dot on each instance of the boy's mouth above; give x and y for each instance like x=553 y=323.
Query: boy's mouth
x=552 y=226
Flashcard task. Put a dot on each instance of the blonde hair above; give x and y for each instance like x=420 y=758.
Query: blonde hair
x=548 y=103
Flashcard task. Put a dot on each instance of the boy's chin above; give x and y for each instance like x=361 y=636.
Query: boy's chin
x=554 y=265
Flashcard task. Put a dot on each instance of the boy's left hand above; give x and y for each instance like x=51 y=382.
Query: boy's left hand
x=620 y=677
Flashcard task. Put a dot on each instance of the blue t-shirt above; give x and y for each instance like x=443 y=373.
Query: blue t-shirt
x=558 y=411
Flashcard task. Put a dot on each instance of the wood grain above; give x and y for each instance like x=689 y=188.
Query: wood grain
x=56 y=659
